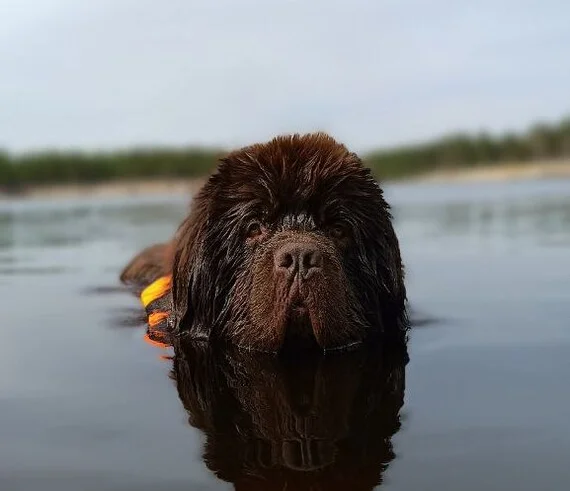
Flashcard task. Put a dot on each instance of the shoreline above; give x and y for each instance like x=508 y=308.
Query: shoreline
x=141 y=187
x=508 y=171
x=138 y=187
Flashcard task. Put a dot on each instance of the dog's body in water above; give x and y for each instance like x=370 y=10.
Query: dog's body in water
x=288 y=245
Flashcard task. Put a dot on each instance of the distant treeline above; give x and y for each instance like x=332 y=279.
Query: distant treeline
x=543 y=141
x=31 y=170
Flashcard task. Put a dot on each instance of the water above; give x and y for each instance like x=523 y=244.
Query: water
x=86 y=404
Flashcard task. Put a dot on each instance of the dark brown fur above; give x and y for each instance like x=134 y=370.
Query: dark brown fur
x=149 y=264
x=308 y=192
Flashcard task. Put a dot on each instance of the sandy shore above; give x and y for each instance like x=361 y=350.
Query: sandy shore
x=122 y=188
x=503 y=172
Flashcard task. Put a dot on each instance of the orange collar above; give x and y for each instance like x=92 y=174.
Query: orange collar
x=156 y=316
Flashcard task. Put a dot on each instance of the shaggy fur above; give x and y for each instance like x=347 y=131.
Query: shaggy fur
x=289 y=243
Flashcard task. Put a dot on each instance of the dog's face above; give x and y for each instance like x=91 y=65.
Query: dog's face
x=290 y=243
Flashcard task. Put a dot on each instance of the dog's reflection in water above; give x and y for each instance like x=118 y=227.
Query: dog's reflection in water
x=297 y=423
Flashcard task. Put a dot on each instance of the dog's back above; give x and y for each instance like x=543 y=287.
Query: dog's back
x=148 y=265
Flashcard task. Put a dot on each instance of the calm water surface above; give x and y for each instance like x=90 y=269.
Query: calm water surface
x=86 y=404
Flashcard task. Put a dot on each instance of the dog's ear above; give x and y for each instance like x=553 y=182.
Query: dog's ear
x=188 y=269
x=381 y=252
x=208 y=250
x=394 y=272
x=391 y=270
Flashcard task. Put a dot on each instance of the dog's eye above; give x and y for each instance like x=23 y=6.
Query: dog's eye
x=338 y=231
x=254 y=230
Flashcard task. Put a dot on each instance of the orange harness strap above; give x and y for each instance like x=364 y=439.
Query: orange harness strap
x=156 y=317
x=156 y=290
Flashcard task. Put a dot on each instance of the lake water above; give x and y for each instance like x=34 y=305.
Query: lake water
x=86 y=404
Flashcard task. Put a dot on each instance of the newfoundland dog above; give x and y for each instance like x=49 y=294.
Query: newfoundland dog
x=289 y=243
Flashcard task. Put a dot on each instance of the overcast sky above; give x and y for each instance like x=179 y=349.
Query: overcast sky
x=118 y=73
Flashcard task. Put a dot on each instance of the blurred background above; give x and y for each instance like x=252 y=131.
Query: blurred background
x=124 y=89
x=112 y=113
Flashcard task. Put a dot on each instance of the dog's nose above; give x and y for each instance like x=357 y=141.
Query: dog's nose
x=299 y=258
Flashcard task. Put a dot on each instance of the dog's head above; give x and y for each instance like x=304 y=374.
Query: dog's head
x=289 y=243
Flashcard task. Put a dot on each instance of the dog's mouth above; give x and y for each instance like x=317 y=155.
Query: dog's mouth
x=299 y=331
x=297 y=311
x=300 y=328
x=298 y=306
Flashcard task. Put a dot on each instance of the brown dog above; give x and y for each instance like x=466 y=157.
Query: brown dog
x=289 y=243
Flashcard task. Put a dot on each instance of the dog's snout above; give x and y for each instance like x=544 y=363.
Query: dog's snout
x=299 y=259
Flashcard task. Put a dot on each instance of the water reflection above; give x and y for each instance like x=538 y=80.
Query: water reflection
x=278 y=423
x=538 y=219
x=6 y=231
x=269 y=424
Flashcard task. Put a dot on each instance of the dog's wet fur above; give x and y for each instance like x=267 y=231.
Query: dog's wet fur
x=288 y=245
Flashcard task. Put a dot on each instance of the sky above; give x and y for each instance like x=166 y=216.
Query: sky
x=108 y=74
